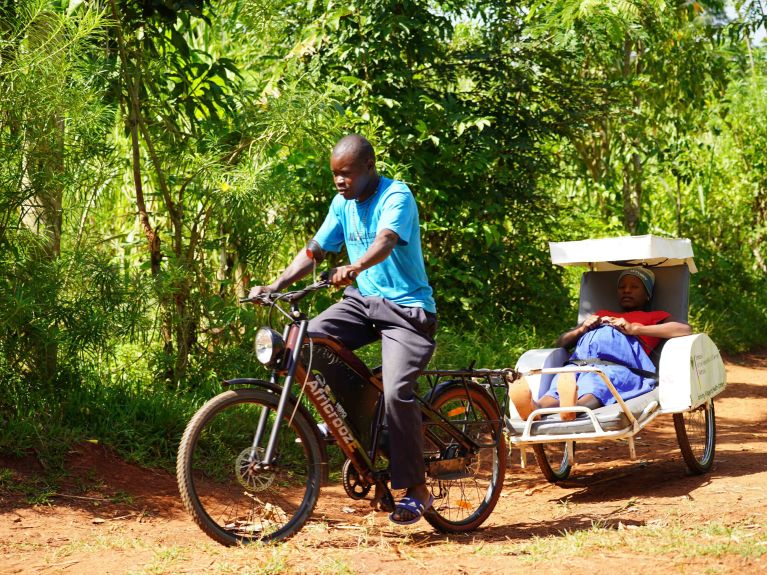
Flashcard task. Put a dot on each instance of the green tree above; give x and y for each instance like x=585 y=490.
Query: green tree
x=208 y=138
x=48 y=103
x=651 y=67
x=451 y=96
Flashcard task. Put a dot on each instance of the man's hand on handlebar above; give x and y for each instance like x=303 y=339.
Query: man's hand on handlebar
x=343 y=275
x=257 y=291
x=268 y=294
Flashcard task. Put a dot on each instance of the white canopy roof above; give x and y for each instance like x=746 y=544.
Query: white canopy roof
x=606 y=254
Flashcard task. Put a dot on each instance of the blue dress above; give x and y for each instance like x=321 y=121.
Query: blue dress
x=608 y=343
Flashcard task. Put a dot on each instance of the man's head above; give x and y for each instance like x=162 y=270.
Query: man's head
x=635 y=287
x=353 y=164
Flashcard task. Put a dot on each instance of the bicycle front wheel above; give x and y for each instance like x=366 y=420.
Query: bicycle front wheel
x=230 y=497
x=465 y=488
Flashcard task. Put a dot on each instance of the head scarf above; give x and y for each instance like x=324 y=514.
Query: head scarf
x=644 y=274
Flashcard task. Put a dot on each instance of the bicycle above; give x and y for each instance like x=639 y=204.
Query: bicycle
x=253 y=458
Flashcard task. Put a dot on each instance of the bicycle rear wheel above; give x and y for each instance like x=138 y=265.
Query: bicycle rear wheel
x=229 y=497
x=466 y=488
x=696 y=434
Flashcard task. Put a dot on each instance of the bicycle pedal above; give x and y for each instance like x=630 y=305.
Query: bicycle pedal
x=382 y=499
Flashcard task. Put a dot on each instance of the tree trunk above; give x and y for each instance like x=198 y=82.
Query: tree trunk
x=134 y=118
x=185 y=331
x=136 y=126
x=633 y=169
x=760 y=224
x=632 y=193
x=41 y=211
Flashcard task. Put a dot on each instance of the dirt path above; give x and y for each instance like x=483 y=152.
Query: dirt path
x=613 y=515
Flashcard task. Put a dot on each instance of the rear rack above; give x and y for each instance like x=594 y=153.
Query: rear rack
x=494 y=381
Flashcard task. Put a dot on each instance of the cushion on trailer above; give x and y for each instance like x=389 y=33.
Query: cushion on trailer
x=610 y=417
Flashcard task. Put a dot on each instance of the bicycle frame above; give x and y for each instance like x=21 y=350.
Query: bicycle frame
x=293 y=369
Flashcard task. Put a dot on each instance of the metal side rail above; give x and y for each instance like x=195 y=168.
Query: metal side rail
x=616 y=421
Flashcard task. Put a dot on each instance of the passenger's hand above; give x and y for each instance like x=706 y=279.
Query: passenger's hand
x=343 y=275
x=591 y=322
x=622 y=325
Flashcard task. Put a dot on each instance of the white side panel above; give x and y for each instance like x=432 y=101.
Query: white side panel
x=691 y=372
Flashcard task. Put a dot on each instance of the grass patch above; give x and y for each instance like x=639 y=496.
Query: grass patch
x=713 y=540
x=97 y=544
x=166 y=560
x=334 y=566
x=261 y=560
x=37 y=490
x=6 y=479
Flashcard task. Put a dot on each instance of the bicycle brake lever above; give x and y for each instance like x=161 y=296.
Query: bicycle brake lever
x=259 y=299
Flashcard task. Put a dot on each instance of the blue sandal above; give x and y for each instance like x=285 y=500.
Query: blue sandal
x=412 y=505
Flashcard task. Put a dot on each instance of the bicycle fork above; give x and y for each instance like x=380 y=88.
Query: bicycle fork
x=295 y=339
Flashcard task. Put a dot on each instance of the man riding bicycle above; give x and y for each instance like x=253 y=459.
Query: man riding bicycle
x=377 y=219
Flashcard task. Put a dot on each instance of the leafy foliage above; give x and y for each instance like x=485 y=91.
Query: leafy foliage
x=156 y=155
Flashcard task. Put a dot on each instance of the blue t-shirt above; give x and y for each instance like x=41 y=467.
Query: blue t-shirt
x=400 y=278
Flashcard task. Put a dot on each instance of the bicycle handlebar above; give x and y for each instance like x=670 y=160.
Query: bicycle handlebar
x=290 y=296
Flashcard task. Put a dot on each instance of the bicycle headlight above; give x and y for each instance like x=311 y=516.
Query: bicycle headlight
x=269 y=346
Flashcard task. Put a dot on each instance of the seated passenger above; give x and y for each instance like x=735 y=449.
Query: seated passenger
x=625 y=338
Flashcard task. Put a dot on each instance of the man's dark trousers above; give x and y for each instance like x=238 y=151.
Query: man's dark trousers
x=407 y=344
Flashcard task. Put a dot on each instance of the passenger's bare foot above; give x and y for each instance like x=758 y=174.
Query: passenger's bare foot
x=522 y=398
x=568 y=395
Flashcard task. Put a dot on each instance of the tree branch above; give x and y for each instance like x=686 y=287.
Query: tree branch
x=153 y=238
